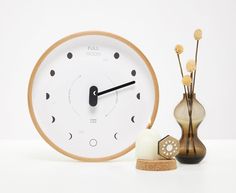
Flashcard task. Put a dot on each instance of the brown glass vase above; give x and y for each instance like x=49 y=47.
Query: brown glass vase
x=189 y=114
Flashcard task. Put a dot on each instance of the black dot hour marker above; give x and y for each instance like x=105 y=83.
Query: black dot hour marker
x=138 y=96
x=116 y=55
x=133 y=72
x=132 y=119
x=53 y=119
x=69 y=55
x=47 y=96
x=52 y=72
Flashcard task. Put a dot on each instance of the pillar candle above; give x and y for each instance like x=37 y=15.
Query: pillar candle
x=147 y=145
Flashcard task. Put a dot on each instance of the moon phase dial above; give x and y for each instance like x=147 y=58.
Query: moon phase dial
x=90 y=94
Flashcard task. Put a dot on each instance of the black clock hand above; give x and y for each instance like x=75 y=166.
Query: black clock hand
x=93 y=97
x=116 y=88
x=93 y=92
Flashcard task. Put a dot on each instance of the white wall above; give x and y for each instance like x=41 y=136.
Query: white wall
x=27 y=28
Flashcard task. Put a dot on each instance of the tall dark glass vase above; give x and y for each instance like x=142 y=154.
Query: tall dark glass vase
x=189 y=114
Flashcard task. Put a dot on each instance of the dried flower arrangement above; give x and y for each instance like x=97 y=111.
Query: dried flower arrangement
x=191 y=66
x=188 y=81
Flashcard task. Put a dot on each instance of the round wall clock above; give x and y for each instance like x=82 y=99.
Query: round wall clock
x=91 y=93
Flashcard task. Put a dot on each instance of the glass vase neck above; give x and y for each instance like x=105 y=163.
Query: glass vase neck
x=194 y=95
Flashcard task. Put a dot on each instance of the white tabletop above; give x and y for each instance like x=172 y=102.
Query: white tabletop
x=34 y=167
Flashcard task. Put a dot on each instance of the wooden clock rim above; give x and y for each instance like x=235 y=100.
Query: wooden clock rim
x=55 y=45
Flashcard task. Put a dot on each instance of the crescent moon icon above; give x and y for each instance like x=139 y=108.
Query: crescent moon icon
x=115 y=135
x=53 y=119
x=138 y=96
x=47 y=96
x=132 y=119
x=70 y=136
x=94 y=93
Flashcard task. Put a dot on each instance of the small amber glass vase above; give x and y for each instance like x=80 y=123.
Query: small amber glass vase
x=189 y=114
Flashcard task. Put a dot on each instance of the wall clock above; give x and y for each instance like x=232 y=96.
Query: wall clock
x=91 y=93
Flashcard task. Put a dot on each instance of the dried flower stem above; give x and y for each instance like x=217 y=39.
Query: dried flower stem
x=194 y=75
x=193 y=86
x=191 y=122
x=187 y=97
x=182 y=74
x=180 y=66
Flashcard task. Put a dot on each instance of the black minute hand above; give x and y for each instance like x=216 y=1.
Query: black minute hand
x=116 y=88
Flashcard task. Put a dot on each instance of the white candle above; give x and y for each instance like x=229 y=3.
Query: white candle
x=147 y=145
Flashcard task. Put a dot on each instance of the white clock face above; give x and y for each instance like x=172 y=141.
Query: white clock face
x=91 y=93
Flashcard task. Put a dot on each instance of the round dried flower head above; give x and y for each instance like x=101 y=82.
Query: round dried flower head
x=187 y=80
x=198 y=34
x=179 y=49
x=191 y=67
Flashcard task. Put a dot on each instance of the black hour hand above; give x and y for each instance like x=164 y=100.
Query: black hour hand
x=93 y=97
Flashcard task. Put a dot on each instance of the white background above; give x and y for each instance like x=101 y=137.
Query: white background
x=28 y=28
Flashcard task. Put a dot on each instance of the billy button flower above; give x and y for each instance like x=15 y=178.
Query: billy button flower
x=190 y=66
x=179 y=49
x=198 y=34
x=187 y=80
